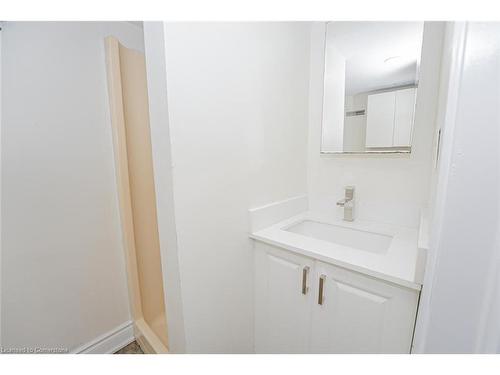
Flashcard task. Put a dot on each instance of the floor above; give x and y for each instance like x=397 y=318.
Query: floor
x=132 y=348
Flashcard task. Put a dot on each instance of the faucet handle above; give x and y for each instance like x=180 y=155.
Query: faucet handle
x=342 y=202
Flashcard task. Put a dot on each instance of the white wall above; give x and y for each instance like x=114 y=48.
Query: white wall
x=461 y=297
x=450 y=67
x=63 y=272
x=1 y=26
x=237 y=102
x=389 y=189
x=154 y=41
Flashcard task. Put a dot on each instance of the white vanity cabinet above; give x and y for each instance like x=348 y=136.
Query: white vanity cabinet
x=389 y=120
x=355 y=313
x=282 y=315
x=341 y=311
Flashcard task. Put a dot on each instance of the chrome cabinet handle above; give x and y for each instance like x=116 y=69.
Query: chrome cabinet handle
x=322 y=279
x=305 y=271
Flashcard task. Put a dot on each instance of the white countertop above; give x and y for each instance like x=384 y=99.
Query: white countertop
x=397 y=265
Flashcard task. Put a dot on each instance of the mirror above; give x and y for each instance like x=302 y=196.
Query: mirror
x=370 y=86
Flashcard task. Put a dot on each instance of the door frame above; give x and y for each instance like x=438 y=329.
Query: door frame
x=147 y=339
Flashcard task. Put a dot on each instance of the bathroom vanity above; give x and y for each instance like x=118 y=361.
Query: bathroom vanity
x=330 y=283
x=329 y=286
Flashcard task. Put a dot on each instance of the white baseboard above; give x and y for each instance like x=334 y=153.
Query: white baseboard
x=109 y=342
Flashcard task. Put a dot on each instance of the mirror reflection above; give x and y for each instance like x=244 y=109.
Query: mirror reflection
x=370 y=86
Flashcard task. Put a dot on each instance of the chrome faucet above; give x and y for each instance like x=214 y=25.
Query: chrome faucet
x=348 y=203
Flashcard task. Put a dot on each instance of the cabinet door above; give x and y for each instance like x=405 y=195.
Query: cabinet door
x=282 y=305
x=403 y=117
x=380 y=119
x=360 y=314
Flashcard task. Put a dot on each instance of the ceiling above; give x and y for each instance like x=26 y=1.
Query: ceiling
x=378 y=55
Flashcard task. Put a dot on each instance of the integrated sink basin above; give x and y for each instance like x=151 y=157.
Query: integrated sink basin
x=351 y=237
